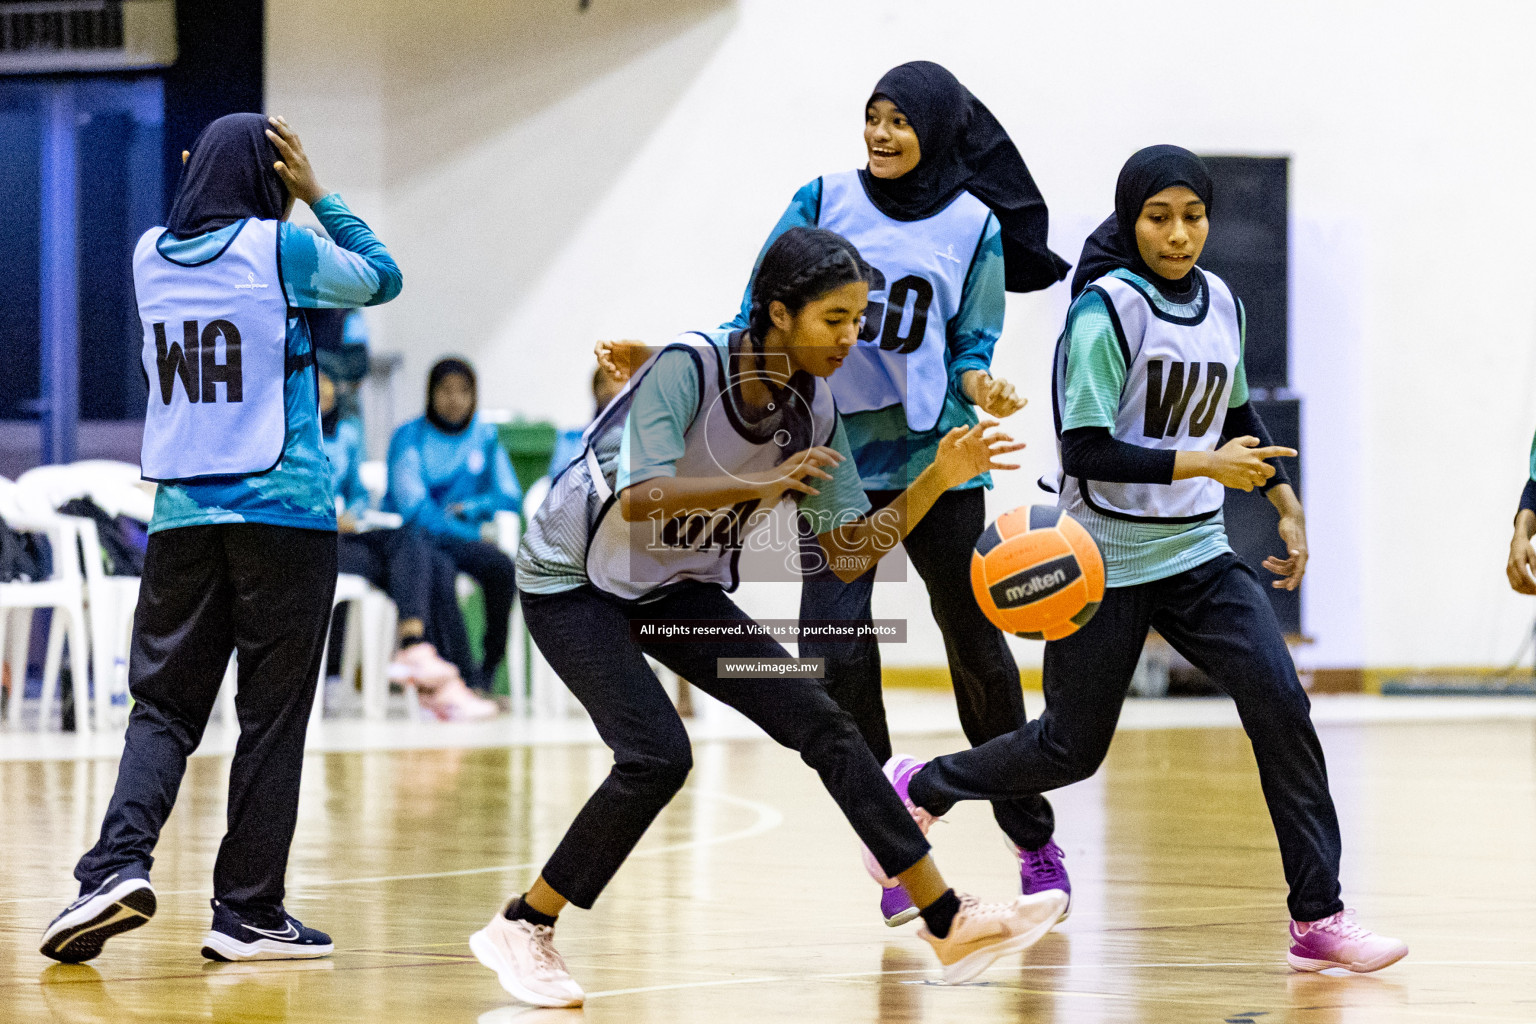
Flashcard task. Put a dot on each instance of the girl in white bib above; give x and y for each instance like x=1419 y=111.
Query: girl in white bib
x=1154 y=423
x=640 y=534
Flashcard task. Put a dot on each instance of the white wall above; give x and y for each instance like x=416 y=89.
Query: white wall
x=548 y=177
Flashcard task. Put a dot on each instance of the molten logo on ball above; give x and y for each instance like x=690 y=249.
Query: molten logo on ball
x=1035 y=583
x=1037 y=573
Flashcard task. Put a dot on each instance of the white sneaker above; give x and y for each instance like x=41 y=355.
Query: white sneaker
x=524 y=958
x=983 y=932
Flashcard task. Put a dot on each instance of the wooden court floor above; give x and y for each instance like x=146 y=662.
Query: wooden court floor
x=747 y=902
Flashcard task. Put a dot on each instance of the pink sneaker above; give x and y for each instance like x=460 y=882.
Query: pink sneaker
x=1338 y=941
x=899 y=770
x=421 y=664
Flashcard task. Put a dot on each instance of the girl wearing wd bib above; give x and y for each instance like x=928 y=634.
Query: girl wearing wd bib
x=949 y=218
x=646 y=525
x=1149 y=385
x=242 y=547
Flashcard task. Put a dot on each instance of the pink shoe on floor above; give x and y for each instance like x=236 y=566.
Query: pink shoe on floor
x=454 y=702
x=898 y=771
x=1337 y=941
x=421 y=664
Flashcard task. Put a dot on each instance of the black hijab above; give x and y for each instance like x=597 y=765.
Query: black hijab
x=228 y=177
x=1113 y=243
x=964 y=147
x=440 y=369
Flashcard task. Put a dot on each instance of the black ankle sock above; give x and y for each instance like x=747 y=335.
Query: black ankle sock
x=940 y=914
x=517 y=910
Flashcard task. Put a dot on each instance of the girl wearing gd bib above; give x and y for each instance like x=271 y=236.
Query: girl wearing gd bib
x=242 y=547
x=648 y=523
x=1149 y=380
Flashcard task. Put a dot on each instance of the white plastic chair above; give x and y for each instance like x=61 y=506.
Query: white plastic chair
x=63 y=593
x=374 y=475
x=372 y=619
x=109 y=600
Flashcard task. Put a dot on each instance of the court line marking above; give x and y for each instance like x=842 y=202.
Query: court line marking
x=768 y=819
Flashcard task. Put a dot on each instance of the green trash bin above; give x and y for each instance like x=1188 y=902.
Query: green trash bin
x=529 y=445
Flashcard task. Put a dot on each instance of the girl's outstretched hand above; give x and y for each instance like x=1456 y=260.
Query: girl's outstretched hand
x=1239 y=464
x=1293 y=530
x=995 y=396
x=294 y=167
x=964 y=454
x=1521 y=567
x=621 y=358
x=794 y=474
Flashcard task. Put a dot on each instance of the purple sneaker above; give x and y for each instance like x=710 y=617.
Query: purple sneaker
x=1043 y=869
x=896 y=906
x=1337 y=941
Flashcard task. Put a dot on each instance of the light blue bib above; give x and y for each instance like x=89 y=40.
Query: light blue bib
x=920 y=271
x=215 y=355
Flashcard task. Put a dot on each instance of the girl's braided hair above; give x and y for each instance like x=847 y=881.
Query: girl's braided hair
x=800 y=266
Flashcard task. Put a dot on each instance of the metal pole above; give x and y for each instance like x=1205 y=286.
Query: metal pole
x=60 y=300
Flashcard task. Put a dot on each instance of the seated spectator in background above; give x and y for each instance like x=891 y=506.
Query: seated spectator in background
x=405 y=564
x=449 y=476
x=568 y=444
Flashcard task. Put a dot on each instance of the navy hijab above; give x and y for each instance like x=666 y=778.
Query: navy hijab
x=1113 y=243
x=443 y=368
x=228 y=177
x=964 y=147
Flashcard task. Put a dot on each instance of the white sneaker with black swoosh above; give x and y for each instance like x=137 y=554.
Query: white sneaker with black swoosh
x=981 y=933
x=122 y=902
x=234 y=938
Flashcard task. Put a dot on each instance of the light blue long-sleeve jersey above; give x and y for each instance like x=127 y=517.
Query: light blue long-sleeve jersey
x=344 y=449
x=354 y=270
x=429 y=471
x=888 y=453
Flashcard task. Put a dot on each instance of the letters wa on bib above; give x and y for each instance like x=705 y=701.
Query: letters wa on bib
x=215 y=356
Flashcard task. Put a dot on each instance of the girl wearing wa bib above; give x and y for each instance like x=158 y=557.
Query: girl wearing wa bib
x=677 y=474
x=1154 y=423
x=242 y=547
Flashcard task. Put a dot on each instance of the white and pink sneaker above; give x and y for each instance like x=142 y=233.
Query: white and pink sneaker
x=454 y=702
x=1337 y=941
x=422 y=665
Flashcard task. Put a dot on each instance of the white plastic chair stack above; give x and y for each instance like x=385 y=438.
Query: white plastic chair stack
x=63 y=593
x=110 y=601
